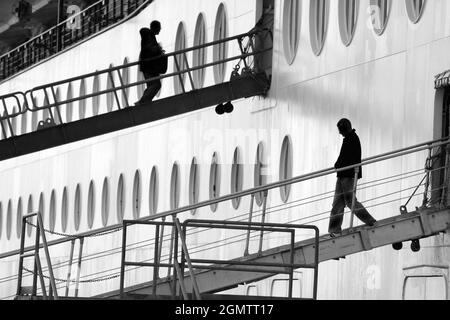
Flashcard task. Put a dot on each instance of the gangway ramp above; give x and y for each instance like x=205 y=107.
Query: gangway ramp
x=247 y=80
x=415 y=225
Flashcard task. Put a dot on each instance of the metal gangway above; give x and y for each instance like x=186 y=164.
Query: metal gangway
x=248 y=79
x=191 y=275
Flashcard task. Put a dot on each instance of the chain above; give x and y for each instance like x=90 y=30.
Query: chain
x=77 y=236
x=80 y=281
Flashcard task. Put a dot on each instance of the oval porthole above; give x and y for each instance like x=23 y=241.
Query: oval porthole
x=199 y=55
x=82 y=102
x=19 y=219
x=120 y=206
x=9 y=220
x=91 y=205
x=179 y=60
x=137 y=195
x=64 y=210
x=125 y=80
x=77 y=208
x=24 y=118
x=260 y=174
x=30 y=209
x=194 y=184
x=105 y=202
x=285 y=167
x=214 y=180
x=14 y=122
x=415 y=9
x=348 y=18
x=110 y=98
x=141 y=87
x=237 y=174
x=175 y=187
x=380 y=11
x=96 y=98
x=52 y=211
x=34 y=115
x=318 y=19
x=69 y=105
x=291 y=28
x=153 y=191
x=220 y=51
x=41 y=207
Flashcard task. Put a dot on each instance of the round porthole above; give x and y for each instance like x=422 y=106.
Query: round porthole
x=380 y=11
x=194 y=184
x=285 y=167
x=105 y=202
x=125 y=80
x=137 y=195
x=42 y=207
x=291 y=28
x=1 y=219
x=199 y=55
x=52 y=211
x=237 y=174
x=110 y=97
x=179 y=61
x=319 y=12
x=120 y=199
x=153 y=191
x=220 y=50
x=175 y=187
x=260 y=174
x=214 y=180
x=77 y=208
x=9 y=220
x=69 y=105
x=348 y=18
x=64 y=210
x=30 y=209
x=95 y=99
x=415 y=9
x=82 y=102
x=91 y=205
x=19 y=219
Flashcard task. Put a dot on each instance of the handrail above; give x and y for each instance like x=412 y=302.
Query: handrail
x=55 y=30
x=325 y=172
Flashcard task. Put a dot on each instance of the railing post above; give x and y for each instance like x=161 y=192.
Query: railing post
x=122 y=261
x=263 y=218
x=291 y=261
x=47 y=107
x=247 y=242
x=444 y=196
x=189 y=72
x=69 y=272
x=156 y=261
x=57 y=104
x=36 y=257
x=355 y=186
x=427 y=181
x=114 y=90
x=21 y=251
x=8 y=120
x=176 y=274
x=47 y=256
x=180 y=77
x=80 y=257
x=124 y=91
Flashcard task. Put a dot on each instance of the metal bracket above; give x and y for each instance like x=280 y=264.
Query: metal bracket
x=425 y=223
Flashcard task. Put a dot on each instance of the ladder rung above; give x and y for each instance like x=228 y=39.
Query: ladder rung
x=27 y=255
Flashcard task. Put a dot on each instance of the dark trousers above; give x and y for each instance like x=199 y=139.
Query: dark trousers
x=343 y=196
x=152 y=90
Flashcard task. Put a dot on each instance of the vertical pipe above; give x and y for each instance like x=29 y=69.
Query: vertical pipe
x=156 y=261
x=427 y=181
x=36 y=256
x=291 y=273
x=57 y=105
x=247 y=241
x=355 y=186
x=69 y=272
x=161 y=242
x=171 y=248
x=176 y=272
x=122 y=261
x=49 y=109
x=22 y=247
x=80 y=257
x=41 y=277
x=47 y=257
x=316 y=264
x=263 y=218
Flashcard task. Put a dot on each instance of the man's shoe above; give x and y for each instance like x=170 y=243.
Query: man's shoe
x=371 y=224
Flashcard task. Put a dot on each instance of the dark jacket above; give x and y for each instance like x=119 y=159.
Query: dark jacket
x=149 y=49
x=350 y=155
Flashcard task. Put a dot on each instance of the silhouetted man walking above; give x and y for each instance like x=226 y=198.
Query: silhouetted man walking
x=350 y=155
x=150 y=49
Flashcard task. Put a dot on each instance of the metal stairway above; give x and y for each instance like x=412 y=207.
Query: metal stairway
x=250 y=81
x=415 y=225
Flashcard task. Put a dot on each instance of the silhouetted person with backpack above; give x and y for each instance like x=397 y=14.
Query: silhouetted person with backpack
x=150 y=49
x=343 y=196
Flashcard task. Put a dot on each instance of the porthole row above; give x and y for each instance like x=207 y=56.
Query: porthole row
x=71 y=203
